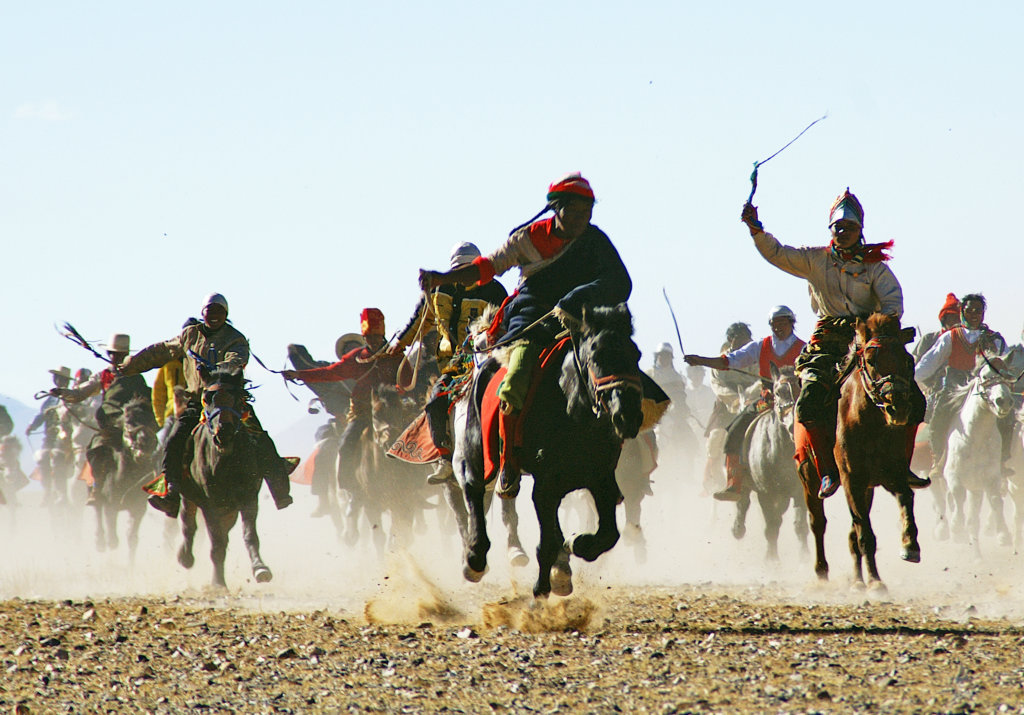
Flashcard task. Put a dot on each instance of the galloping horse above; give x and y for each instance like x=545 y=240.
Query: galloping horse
x=221 y=477
x=135 y=463
x=875 y=405
x=571 y=439
x=768 y=449
x=874 y=408
x=386 y=485
x=973 y=469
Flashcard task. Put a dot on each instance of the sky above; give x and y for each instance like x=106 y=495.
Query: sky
x=305 y=160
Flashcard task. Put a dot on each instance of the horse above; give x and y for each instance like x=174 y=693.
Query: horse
x=135 y=462
x=571 y=439
x=768 y=449
x=220 y=476
x=385 y=485
x=973 y=470
x=638 y=460
x=875 y=404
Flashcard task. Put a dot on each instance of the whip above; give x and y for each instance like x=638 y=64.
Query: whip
x=759 y=164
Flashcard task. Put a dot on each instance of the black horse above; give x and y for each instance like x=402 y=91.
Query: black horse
x=221 y=476
x=135 y=463
x=572 y=437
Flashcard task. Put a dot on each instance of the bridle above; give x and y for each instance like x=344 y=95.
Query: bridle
x=211 y=410
x=882 y=391
x=598 y=389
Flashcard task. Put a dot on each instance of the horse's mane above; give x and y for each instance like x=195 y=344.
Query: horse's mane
x=142 y=408
x=224 y=375
x=616 y=318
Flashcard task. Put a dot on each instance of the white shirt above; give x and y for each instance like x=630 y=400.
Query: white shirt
x=750 y=354
x=938 y=356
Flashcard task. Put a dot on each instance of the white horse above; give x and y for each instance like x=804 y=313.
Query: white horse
x=973 y=469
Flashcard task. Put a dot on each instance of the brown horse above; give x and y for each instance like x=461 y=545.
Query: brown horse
x=876 y=404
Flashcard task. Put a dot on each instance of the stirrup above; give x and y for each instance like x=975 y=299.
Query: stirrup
x=829 y=486
x=508 y=483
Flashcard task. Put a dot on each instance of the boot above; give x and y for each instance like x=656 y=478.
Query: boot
x=734 y=473
x=509 y=474
x=442 y=473
x=170 y=503
x=914 y=481
x=823 y=442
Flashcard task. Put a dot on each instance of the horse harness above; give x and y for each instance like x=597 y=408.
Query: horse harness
x=882 y=390
x=597 y=388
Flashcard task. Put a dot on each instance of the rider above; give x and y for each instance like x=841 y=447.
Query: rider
x=370 y=366
x=117 y=390
x=848 y=279
x=452 y=308
x=220 y=344
x=565 y=263
x=56 y=452
x=949 y=317
x=779 y=349
x=957 y=351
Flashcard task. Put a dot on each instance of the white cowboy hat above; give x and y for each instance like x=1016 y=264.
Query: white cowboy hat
x=62 y=371
x=346 y=339
x=119 y=343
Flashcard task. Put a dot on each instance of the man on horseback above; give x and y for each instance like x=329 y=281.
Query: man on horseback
x=848 y=279
x=213 y=343
x=565 y=263
x=955 y=354
x=451 y=309
x=117 y=390
x=370 y=366
x=780 y=349
x=56 y=453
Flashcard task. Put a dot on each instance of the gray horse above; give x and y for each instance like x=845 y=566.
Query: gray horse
x=768 y=450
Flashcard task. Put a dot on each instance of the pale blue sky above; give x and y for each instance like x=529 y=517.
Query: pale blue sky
x=306 y=159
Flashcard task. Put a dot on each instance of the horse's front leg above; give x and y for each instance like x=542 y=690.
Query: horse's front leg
x=251 y=537
x=101 y=527
x=188 y=534
x=134 y=524
x=545 y=503
x=863 y=543
x=510 y=518
x=477 y=544
x=940 y=499
x=772 y=508
x=995 y=502
x=911 y=550
x=109 y=512
x=218 y=526
x=816 y=515
x=589 y=546
x=973 y=515
x=957 y=499
x=739 y=524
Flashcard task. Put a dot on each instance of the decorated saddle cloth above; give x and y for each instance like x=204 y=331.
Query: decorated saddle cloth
x=415 y=445
x=550 y=358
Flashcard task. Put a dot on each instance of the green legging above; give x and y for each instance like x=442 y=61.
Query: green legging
x=522 y=358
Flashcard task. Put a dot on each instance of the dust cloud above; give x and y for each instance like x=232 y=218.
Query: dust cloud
x=51 y=554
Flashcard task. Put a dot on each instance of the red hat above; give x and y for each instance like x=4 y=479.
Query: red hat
x=371 y=321
x=950 y=307
x=571 y=184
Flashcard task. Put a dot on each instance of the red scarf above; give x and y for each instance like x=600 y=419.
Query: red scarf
x=863 y=253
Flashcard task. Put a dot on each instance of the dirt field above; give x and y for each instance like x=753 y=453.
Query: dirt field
x=702 y=624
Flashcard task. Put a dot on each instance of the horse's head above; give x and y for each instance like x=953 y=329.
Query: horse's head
x=885 y=366
x=992 y=385
x=608 y=367
x=224 y=404
x=138 y=429
x=391 y=414
x=785 y=391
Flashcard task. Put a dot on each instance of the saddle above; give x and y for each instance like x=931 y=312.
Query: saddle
x=550 y=358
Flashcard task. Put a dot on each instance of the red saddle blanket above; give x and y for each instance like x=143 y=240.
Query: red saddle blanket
x=550 y=358
x=415 y=444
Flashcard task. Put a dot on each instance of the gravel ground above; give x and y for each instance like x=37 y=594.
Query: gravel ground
x=683 y=649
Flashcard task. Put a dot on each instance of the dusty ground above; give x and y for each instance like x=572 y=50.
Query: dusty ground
x=649 y=650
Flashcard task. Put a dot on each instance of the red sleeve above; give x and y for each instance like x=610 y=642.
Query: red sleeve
x=346 y=368
x=486 y=269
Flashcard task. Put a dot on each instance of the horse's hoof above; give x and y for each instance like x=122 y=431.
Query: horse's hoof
x=186 y=558
x=561 y=581
x=911 y=554
x=738 y=532
x=858 y=586
x=877 y=588
x=262 y=574
x=517 y=557
x=472 y=575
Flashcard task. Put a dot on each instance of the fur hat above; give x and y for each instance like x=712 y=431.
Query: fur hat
x=950 y=308
x=371 y=321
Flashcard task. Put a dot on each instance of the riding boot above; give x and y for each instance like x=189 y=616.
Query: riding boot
x=735 y=472
x=169 y=503
x=509 y=474
x=913 y=480
x=823 y=443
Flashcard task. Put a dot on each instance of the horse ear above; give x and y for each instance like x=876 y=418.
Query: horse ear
x=861 y=329
x=907 y=335
x=773 y=368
